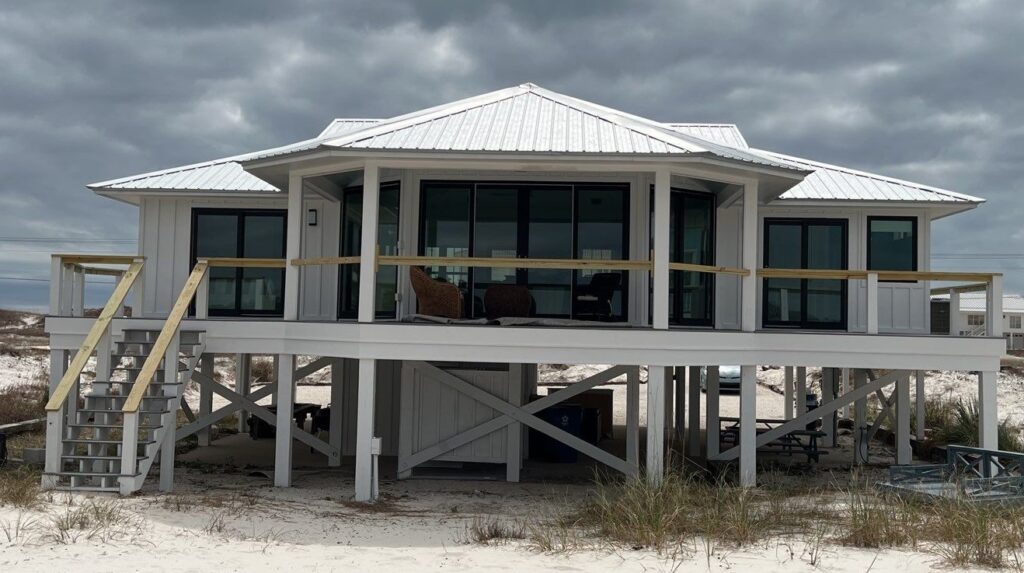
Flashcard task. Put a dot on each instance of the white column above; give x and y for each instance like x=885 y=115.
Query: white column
x=920 y=400
x=988 y=423
x=787 y=393
x=801 y=390
x=860 y=408
x=56 y=285
x=78 y=292
x=714 y=427
x=680 y=400
x=954 y=312
x=633 y=418
x=274 y=368
x=655 y=424
x=293 y=247
x=693 y=436
x=828 y=393
x=514 y=432
x=334 y=425
x=670 y=400
x=368 y=245
x=748 y=318
x=364 y=425
x=285 y=420
x=748 y=426
x=903 y=449
x=845 y=384
x=662 y=209
x=168 y=420
x=205 y=398
x=872 y=303
x=243 y=371
x=994 y=307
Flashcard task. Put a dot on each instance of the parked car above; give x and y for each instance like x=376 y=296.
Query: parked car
x=728 y=379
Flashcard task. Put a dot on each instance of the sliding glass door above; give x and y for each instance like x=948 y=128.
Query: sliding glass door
x=691 y=240
x=535 y=220
x=805 y=244
x=350 y=246
x=241 y=233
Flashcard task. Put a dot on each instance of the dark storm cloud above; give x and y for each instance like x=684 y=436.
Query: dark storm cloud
x=929 y=91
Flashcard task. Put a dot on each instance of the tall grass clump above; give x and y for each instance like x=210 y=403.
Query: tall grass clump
x=20 y=488
x=21 y=402
x=957 y=421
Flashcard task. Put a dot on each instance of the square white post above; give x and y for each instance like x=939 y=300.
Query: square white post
x=787 y=393
x=872 y=303
x=77 y=292
x=693 y=436
x=801 y=390
x=205 y=398
x=337 y=407
x=169 y=420
x=670 y=401
x=988 y=423
x=954 y=313
x=680 y=403
x=994 y=307
x=633 y=419
x=243 y=372
x=714 y=427
x=293 y=247
x=829 y=382
x=655 y=424
x=514 y=432
x=748 y=317
x=368 y=246
x=662 y=209
x=285 y=420
x=860 y=409
x=56 y=284
x=748 y=426
x=845 y=385
x=364 y=425
x=920 y=400
x=904 y=453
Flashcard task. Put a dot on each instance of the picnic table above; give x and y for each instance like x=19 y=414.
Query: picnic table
x=799 y=442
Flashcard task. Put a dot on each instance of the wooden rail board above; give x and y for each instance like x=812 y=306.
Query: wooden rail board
x=92 y=339
x=167 y=333
x=246 y=263
x=70 y=259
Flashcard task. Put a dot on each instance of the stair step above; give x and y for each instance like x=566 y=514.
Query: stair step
x=103 y=442
x=89 y=474
x=181 y=367
x=102 y=411
x=123 y=397
x=132 y=383
x=111 y=426
x=87 y=458
x=93 y=488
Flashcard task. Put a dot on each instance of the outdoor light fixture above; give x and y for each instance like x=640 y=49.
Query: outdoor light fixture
x=311 y=218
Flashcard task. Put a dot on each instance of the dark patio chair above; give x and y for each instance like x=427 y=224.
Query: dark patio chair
x=508 y=300
x=594 y=300
x=434 y=297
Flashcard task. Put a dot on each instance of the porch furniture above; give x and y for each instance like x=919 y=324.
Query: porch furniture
x=594 y=300
x=508 y=300
x=434 y=297
x=969 y=474
x=799 y=442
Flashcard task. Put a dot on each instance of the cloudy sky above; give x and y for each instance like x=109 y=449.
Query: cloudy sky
x=931 y=91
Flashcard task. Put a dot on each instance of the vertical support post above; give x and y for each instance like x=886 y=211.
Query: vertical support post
x=714 y=427
x=203 y=296
x=693 y=436
x=655 y=424
x=129 y=453
x=243 y=373
x=662 y=209
x=274 y=368
x=787 y=393
x=670 y=401
x=801 y=390
x=78 y=291
x=845 y=384
x=54 y=448
x=293 y=247
x=368 y=246
x=828 y=394
x=67 y=290
x=56 y=284
x=860 y=411
x=680 y=399
x=285 y=420
x=170 y=419
x=205 y=398
x=903 y=450
x=748 y=318
x=337 y=407
x=872 y=303
x=920 y=400
x=954 y=313
x=988 y=421
x=365 y=424
x=994 y=307
x=514 y=447
x=633 y=419
x=748 y=426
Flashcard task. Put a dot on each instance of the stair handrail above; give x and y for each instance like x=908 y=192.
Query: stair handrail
x=166 y=336
x=99 y=328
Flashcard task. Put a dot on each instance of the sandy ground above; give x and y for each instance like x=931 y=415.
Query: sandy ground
x=216 y=522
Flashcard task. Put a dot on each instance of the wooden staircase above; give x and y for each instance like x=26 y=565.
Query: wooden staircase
x=91 y=456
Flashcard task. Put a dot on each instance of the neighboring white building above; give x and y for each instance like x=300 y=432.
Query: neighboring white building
x=971 y=318
x=563 y=231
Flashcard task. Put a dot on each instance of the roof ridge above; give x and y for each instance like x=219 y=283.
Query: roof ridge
x=348 y=119
x=736 y=127
x=869 y=175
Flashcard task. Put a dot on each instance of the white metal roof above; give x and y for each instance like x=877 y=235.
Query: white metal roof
x=528 y=118
x=975 y=302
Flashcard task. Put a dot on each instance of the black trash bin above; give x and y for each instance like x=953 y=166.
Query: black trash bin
x=567 y=417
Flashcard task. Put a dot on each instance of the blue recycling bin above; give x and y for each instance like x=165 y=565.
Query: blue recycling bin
x=566 y=417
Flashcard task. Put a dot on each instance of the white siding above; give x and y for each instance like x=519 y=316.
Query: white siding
x=319 y=300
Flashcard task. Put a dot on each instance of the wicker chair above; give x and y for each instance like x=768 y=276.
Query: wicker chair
x=508 y=300
x=435 y=298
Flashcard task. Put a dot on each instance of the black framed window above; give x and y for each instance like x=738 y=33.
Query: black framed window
x=536 y=220
x=805 y=244
x=242 y=233
x=350 y=245
x=892 y=244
